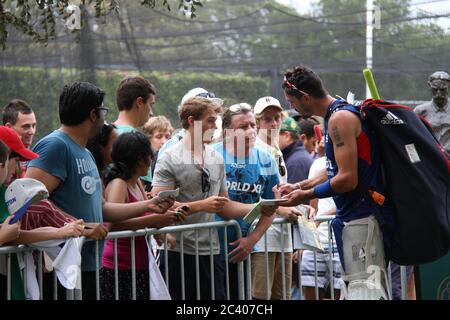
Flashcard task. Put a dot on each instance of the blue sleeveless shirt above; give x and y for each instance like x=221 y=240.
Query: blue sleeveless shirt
x=355 y=204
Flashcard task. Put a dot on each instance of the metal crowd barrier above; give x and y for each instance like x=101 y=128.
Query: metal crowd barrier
x=8 y=251
x=175 y=229
x=280 y=221
x=77 y=294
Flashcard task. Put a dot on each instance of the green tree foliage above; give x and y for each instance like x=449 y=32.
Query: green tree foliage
x=38 y=18
x=407 y=47
x=256 y=37
x=41 y=88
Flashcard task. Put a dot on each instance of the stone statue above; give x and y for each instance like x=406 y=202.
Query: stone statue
x=437 y=111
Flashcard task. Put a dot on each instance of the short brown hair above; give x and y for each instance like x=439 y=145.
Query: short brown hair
x=307 y=127
x=227 y=117
x=155 y=124
x=196 y=107
x=12 y=109
x=131 y=88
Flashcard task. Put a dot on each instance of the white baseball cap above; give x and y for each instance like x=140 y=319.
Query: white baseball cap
x=266 y=102
x=21 y=194
x=200 y=92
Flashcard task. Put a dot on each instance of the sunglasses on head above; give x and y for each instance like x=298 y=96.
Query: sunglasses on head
x=206 y=95
x=206 y=183
x=240 y=107
x=291 y=86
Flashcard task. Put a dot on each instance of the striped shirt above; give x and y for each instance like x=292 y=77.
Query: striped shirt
x=44 y=214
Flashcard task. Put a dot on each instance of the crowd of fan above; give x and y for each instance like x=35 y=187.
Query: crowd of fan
x=105 y=177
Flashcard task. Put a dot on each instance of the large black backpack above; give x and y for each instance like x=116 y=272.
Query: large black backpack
x=416 y=173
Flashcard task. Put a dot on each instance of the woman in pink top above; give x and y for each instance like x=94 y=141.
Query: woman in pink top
x=131 y=155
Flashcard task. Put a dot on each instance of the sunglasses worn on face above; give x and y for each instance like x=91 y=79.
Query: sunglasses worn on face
x=206 y=183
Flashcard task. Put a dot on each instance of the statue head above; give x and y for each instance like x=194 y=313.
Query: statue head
x=439 y=83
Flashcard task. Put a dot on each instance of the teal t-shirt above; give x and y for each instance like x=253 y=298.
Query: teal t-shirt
x=80 y=190
x=123 y=128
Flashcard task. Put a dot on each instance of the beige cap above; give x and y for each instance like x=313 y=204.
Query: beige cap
x=266 y=102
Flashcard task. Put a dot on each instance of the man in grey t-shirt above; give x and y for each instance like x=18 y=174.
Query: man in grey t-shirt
x=198 y=171
x=175 y=168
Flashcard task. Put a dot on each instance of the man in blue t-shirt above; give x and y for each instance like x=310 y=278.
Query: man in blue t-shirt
x=68 y=169
x=251 y=174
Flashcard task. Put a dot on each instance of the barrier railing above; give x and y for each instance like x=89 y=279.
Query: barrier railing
x=175 y=229
x=212 y=227
x=8 y=251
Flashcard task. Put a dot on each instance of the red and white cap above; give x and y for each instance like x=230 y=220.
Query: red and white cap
x=12 y=140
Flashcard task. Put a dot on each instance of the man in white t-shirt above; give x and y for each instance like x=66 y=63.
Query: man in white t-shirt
x=268 y=113
x=198 y=171
x=325 y=206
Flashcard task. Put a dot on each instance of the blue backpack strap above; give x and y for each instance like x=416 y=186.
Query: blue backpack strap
x=339 y=105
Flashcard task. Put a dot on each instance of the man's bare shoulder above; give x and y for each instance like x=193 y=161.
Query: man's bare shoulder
x=344 y=117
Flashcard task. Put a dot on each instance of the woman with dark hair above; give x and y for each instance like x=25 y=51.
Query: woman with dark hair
x=101 y=147
x=131 y=154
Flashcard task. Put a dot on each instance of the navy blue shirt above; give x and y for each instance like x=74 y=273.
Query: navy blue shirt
x=298 y=161
x=353 y=204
